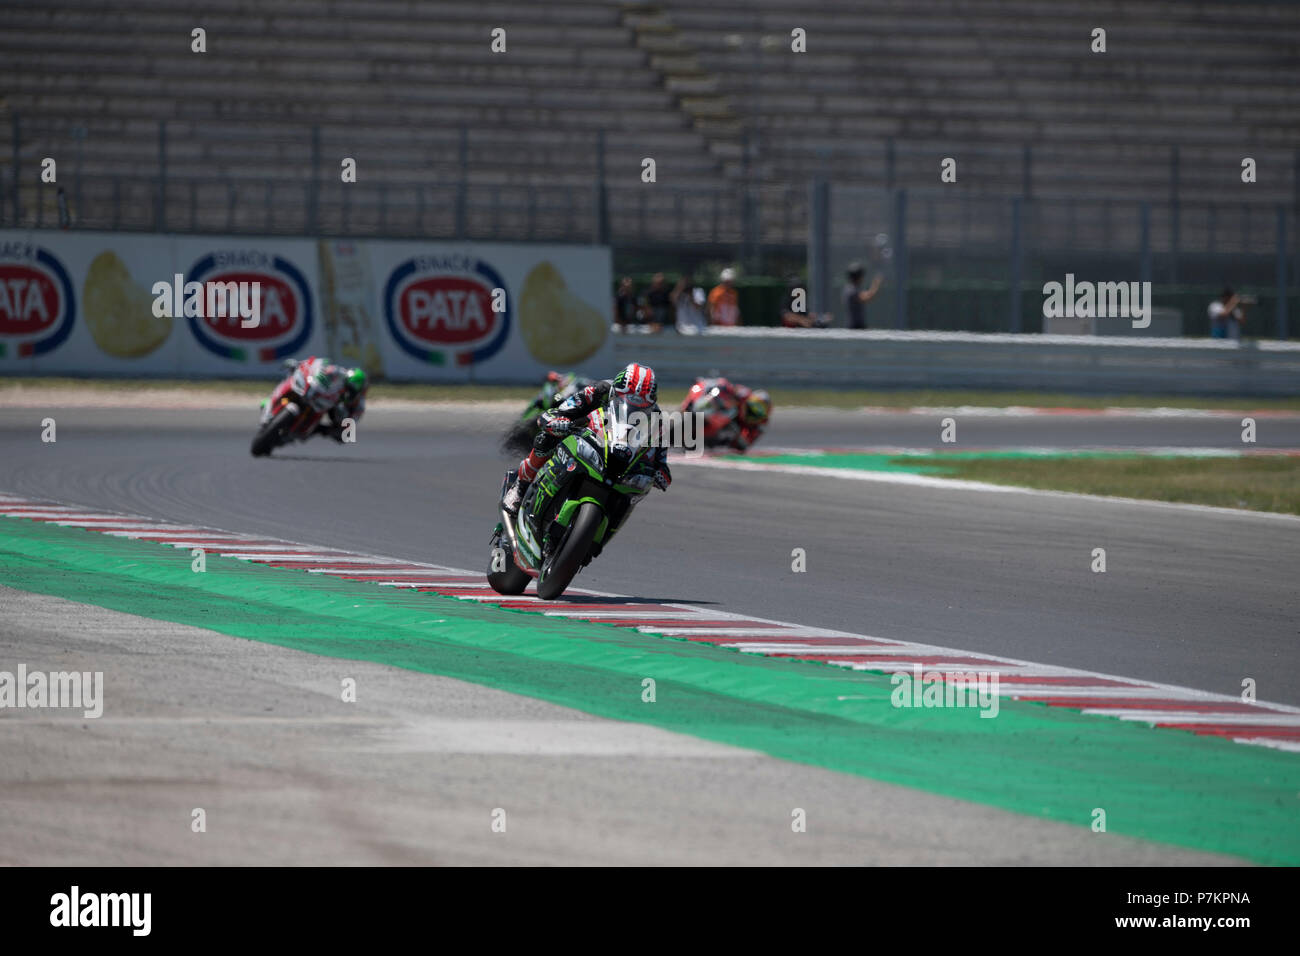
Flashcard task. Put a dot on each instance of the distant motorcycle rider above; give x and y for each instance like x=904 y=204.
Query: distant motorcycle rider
x=753 y=408
x=636 y=381
x=559 y=386
x=347 y=387
x=352 y=403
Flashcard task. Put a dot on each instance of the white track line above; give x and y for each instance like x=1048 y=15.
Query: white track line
x=1265 y=719
x=1292 y=746
x=960 y=484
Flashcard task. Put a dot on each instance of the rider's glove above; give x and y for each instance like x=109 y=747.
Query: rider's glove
x=556 y=425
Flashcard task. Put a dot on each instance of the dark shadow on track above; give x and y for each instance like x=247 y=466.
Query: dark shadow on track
x=596 y=599
x=342 y=461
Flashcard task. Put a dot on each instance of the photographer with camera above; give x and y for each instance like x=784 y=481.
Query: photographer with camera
x=1227 y=314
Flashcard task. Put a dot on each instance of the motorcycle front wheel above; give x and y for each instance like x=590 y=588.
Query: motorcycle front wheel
x=268 y=436
x=560 y=567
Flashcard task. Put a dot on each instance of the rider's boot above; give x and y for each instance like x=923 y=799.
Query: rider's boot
x=514 y=495
x=527 y=472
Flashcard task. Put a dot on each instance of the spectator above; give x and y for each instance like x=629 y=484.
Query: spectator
x=800 y=318
x=658 y=301
x=1227 y=315
x=724 y=302
x=689 y=301
x=626 y=311
x=856 y=298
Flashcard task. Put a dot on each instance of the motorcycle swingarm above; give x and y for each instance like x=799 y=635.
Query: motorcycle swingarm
x=512 y=536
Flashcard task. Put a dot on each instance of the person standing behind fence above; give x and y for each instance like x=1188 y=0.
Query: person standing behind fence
x=626 y=311
x=856 y=297
x=724 y=301
x=689 y=302
x=658 y=303
x=1227 y=316
x=794 y=308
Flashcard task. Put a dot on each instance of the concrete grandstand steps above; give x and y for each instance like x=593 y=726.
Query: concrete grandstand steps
x=1100 y=91
x=577 y=22
x=391 y=82
x=241 y=97
x=542 y=146
x=253 y=88
x=159 y=53
x=503 y=115
x=989 y=127
x=698 y=94
x=748 y=13
x=1161 y=92
x=734 y=67
x=569 y=70
x=76 y=66
x=555 y=48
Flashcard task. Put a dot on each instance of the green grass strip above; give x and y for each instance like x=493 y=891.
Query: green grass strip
x=918 y=464
x=1054 y=763
x=1258 y=482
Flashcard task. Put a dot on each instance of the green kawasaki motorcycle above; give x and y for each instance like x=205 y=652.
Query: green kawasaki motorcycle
x=580 y=498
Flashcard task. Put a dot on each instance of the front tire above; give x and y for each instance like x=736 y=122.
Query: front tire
x=559 y=569
x=268 y=437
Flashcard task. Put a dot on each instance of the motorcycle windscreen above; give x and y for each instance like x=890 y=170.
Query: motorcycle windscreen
x=630 y=425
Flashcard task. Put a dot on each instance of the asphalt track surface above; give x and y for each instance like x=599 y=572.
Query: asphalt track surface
x=1191 y=597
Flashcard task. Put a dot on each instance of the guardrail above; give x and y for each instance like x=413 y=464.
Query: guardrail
x=883 y=359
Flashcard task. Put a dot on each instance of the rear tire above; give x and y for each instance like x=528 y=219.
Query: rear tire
x=268 y=436
x=511 y=580
x=559 y=569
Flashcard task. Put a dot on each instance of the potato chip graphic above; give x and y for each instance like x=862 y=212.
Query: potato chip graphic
x=558 y=327
x=119 y=312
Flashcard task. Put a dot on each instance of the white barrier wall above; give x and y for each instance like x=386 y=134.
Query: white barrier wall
x=84 y=303
x=880 y=359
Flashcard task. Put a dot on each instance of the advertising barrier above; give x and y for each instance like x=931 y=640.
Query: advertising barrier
x=127 y=305
x=844 y=358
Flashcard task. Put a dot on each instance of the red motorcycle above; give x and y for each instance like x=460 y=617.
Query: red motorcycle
x=297 y=405
x=734 y=416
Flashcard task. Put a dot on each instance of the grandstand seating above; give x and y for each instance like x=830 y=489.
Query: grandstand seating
x=449 y=136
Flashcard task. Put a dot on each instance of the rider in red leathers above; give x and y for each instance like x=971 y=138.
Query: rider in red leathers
x=337 y=394
x=736 y=416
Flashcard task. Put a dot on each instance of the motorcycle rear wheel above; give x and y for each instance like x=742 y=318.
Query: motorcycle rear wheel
x=510 y=581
